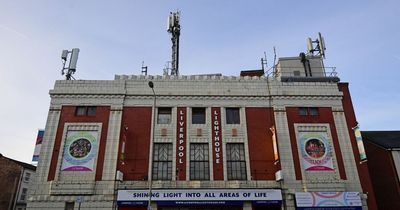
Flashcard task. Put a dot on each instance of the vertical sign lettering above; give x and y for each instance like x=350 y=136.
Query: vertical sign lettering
x=217 y=143
x=181 y=144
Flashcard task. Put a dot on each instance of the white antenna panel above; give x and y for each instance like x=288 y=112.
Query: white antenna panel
x=64 y=55
x=310 y=47
x=321 y=44
x=168 y=23
x=74 y=58
x=171 y=21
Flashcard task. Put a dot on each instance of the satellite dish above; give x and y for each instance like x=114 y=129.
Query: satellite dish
x=310 y=47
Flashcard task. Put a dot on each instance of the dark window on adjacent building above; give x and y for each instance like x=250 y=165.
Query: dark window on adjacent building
x=85 y=111
x=27 y=177
x=69 y=205
x=236 y=162
x=164 y=115
x=198 y=115
x=23 y=194
x=232 y=116
x=199 y=164
x=162 y=161
x=305 y=111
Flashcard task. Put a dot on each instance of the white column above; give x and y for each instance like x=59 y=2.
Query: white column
x=112 y=143
x=347 y=152
x=49 y=138
x=284 y=145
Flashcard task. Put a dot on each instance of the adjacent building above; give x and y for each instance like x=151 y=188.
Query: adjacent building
x=283 y=141
x=383 y=151
x=15 y=177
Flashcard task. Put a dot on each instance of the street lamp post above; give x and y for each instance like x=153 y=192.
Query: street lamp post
x=150 y=178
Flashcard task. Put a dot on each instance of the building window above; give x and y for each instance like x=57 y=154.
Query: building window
x=69 y=205
x=164 y=115
x=91 y=111
x=198 y=115
x=23 y=194
x=232 y=116
x=162 y=161
x=27 y=177
x=80 y=111
x=85 y=111
x=313 y=111
x=305 y=111
x=199 y=164
x=236 y=162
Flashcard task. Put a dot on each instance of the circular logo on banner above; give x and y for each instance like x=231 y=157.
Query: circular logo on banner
x=80 y=148
x=315 y=148
x=315 y=151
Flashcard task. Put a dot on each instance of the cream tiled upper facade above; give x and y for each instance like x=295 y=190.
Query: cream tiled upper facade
x=190 y=91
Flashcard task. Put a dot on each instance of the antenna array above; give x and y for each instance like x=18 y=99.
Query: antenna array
x=319 y=45
x=174 y=28
x=72 y=56
x=144 y=69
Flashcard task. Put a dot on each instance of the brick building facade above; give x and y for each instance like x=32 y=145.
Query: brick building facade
x=212 y=142
x=383 y=151
x=15 y=177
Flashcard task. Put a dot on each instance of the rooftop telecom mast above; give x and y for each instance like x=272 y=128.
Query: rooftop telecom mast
x=174 y=28
x=73 y=58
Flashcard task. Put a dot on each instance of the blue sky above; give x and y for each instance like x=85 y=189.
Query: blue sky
x=223 y=36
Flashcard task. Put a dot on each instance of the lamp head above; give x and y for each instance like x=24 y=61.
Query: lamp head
x=151 y=85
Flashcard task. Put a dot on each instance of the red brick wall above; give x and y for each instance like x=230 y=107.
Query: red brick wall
x=361 y=168
x=68 y=116
x=137 y=145
x=383 y=176
x=261 y=152
x=324 y=116
x=9 y=178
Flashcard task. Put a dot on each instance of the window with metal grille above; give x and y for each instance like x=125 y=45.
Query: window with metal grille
x=236 y=161
x=164 y=115
x=232 y=116
x=199 y=162
x=198 y=115
x=162 y=161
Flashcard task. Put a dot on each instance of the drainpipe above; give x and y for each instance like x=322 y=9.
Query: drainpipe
x=18 y=188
